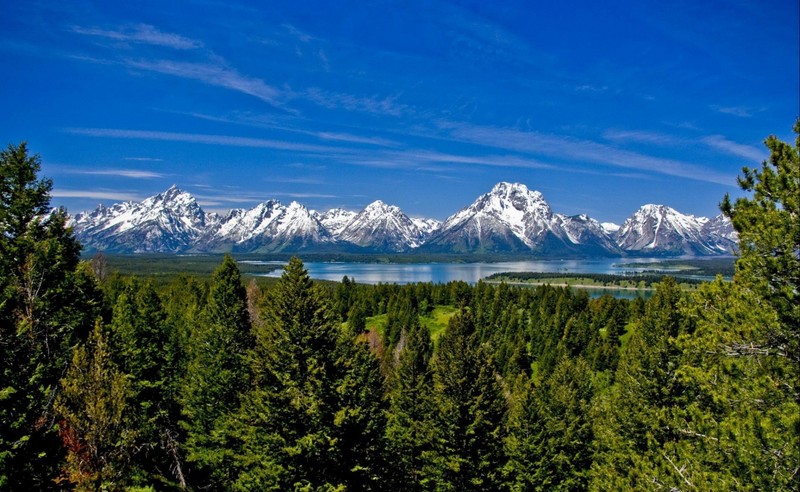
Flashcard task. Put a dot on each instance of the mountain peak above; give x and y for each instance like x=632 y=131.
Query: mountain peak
x=506 y=189
x=509 y=218
x=383 y=227
x=655 y=209
x=381 y=207
x=171 y=195
x=661 y=229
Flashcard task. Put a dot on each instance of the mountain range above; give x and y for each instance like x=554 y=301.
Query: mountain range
x=510 y=219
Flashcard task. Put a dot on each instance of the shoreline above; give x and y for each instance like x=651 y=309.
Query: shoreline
x=578 y=286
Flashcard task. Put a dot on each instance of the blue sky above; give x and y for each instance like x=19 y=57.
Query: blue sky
x=601 y=106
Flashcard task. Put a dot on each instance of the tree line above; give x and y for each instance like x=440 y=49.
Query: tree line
x=112 y=382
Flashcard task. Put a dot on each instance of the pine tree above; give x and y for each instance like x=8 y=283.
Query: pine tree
x=633 y=419
x=359 y=424
x=47 y=306
x=144 y=349
x=740 y=364
x=218 y=373
x=411 y=390
x=95 y=425
x=343 y=297
x=312 y=419
x=768 y=225
x=738 y=425
x=550 y=440
x=468 y=416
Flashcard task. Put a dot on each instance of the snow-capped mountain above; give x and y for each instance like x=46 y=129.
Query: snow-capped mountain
x=588 y=234
x=721 y=227
x=509 y=219
x=268 y=227
x=382 y=227
x=609 y=227
x=426 y=226
x=169 y=222
x=335 y=220
x=512 y=218
x=658 y=229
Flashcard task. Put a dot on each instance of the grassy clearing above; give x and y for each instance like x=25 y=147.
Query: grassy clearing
x=436 y=322
x=377 y=323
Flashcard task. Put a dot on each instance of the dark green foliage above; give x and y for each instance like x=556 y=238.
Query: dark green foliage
x=357 y=319
x=217 y=374
x=144 y=348
x=739 y=417
x=633 y=423
x=769 y=234
x=549 y=446
x=647 y=279
x=47 y=305
x=409 y=431
x=343 y=297
x=469 y=414
x=314 y=419
x=740 y=360
x=359 y=424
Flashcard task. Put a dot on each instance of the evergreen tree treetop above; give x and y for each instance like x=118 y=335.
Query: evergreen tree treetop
x=22 y=195
x=768 y=224
x=46 y=307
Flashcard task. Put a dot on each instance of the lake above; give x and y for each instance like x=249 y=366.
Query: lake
x=404 y=273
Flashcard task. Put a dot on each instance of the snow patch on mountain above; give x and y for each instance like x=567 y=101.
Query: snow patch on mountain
x=169 y=222
x=610 y=227
x=382 y=227
x=335 y=220
x=510 y=218
x=659 y=229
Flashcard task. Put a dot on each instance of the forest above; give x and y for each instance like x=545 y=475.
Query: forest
x=111 y=381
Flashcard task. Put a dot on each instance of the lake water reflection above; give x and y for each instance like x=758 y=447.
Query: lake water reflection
x=404 y=273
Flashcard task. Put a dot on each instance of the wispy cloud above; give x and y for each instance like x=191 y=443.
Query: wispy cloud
x=141 y=33
x=200 y=138
x=323 y=58
x=310 y=181
x=215 y=75
x=348 y=137
x=722 y=144
x=261 y=121
x=740 y=111
x=307 y=167
x=123 y=173
x=387 y=106
x=301 y=195
x=143 y=159
x=248 y=198
x=476 y=37
x=439 y=162
x=591 y=88
x=638 y=136
x=95 y=194
x=581 y=150
x=297 y=33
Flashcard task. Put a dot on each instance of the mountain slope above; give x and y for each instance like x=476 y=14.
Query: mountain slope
x=511 y=219
x=661 y=230
x=169 y=222
x=268 y=227
x=383 y=228
x=335 y=220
